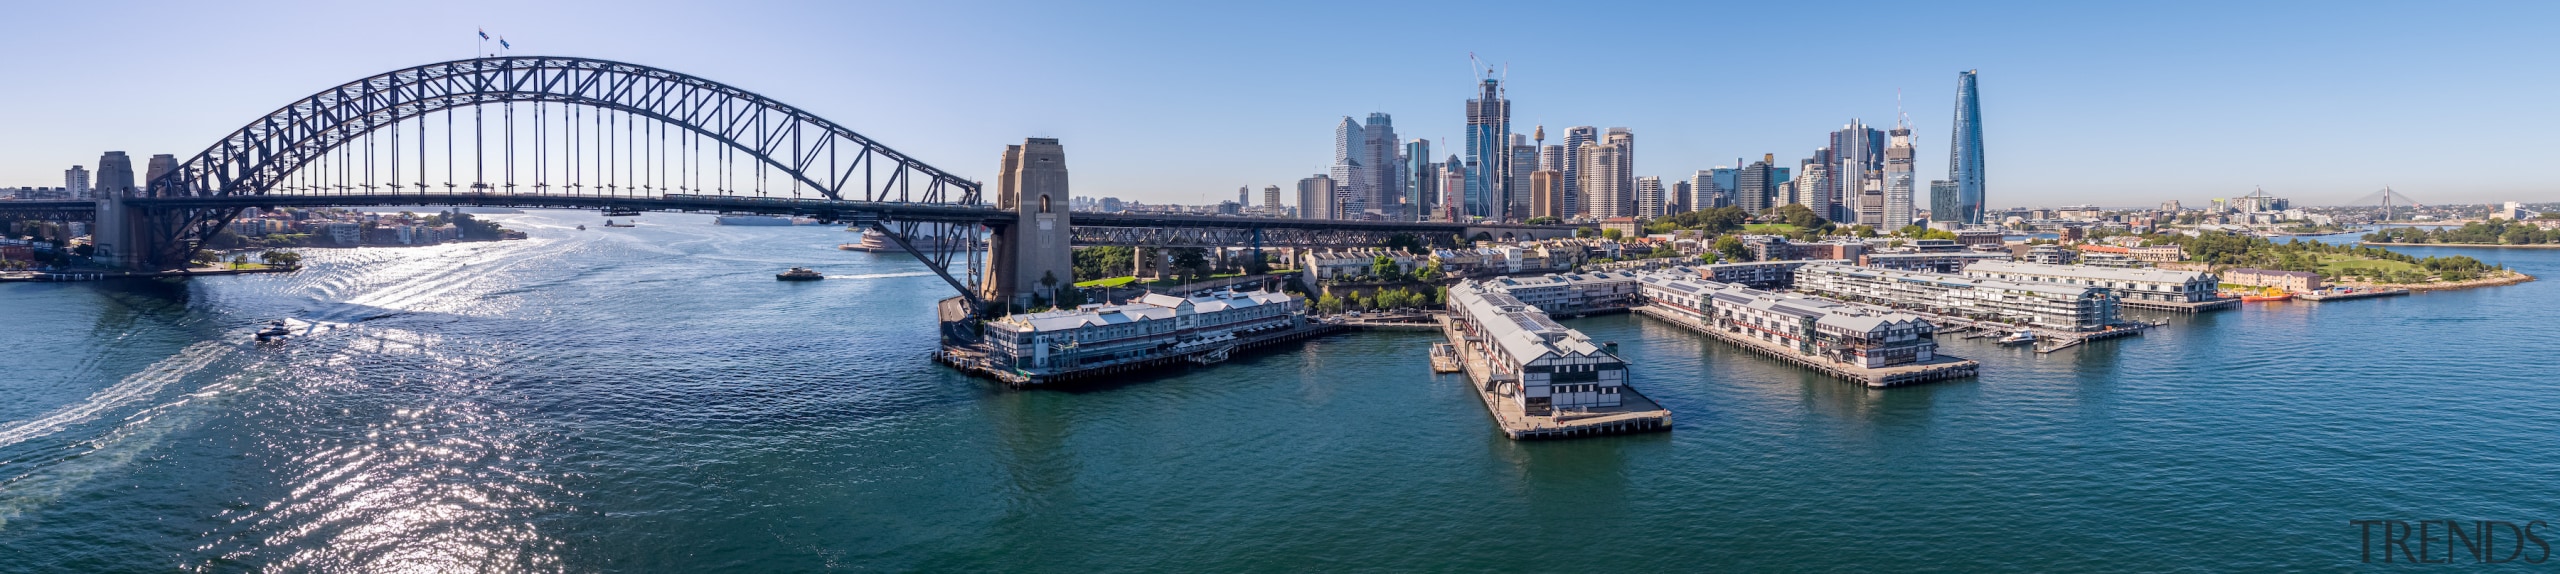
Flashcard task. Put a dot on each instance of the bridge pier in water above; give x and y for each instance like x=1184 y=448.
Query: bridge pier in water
x=1030 y=259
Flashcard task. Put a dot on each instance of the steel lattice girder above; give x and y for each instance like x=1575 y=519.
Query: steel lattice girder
x=839 y=163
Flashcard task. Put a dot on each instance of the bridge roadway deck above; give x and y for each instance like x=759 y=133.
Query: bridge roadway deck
x=846 y=210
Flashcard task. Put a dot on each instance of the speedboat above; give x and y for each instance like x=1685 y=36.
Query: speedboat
x=582 y=227
x=273 y=330
x=2023 y=336
x=799 y=274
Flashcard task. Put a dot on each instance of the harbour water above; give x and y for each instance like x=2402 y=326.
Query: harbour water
x=650 y=399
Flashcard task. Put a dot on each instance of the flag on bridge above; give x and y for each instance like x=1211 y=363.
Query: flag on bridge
x=484 y=33
x=502 y=43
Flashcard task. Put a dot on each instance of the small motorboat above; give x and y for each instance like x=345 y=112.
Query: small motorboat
x=2021 y=337
x=582 y=227
x=610 y=223
x=273 y=330
x=799 y=274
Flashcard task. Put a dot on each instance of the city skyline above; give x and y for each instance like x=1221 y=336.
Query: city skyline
x=2302 y=120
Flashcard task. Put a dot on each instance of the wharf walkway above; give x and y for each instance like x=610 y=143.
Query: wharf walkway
x=1634 y=414
x=2182 y=307
x=975 y=360
x=2366 y=294
x=1944 y=367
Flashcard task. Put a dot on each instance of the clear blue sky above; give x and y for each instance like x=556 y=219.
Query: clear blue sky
x=2107 y=103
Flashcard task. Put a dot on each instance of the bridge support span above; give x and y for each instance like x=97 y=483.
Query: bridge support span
x=1030 y=258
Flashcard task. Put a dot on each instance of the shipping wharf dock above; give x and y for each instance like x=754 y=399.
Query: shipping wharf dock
x=1538 y=379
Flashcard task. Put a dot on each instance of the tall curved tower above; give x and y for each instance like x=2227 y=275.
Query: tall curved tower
x=1964 y=156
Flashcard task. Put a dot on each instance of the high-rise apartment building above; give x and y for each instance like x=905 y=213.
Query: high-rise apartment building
x=1546 y=194
x=1386 y=170
x=1488 y=128
x=1551 y=158
x=1898 y=178
x=1871 y=201
x=1523 y=161
x=1813 y=188
x=75 y=182
x=1604 y=181
x=1753 y=185
x=1271 y=201
x=1678 y=199
x=1421 y=181
x=1574 y=137
x=1649 y=196
x=1964 y=156
x=1315 y=197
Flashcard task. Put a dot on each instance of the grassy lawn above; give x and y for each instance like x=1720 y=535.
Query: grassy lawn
x=2332 y=265
x=1769 y=228
x=1111 y=282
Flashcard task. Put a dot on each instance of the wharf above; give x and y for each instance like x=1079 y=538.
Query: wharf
x=105 y=275
x=1634 y=414
x=1944 y=367
x=972 y=359
x=2323 y=298
x=2182 y=307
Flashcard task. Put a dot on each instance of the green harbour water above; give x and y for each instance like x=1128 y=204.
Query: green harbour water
x=650 y=399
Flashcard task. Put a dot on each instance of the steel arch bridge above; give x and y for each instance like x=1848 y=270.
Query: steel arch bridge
x=265 y=157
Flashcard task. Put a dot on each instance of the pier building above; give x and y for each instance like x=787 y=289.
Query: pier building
x=2294 y=281
x=2055 y=306
x=1537 y=364
x=1758 y=274
x=1156 y=326
x=1931 y=261
x=1570 y=294
x=2164 y=285
x=1859 y=335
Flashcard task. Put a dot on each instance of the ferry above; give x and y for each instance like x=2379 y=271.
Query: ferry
x=799 y=274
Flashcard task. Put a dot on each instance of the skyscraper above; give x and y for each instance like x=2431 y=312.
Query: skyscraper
x=1625 y=140
x=1943 y=207
x=1271 y=201
x=1421 y=181
x=75 y=181
x=1244 y=196
x=1488 y=125
x=1753 y=185
x=1551 y=158
x=1315 y=197
x=1898 y=178
x=1603 y=181
x=1350 y=170
x=1574 y=137
x=115 y=176
x=1649 y=197
x=1379 y=154
x=1453 y=190
x=1546 y=194
x=1678 y=199
x=1964 y=156
x=1523 y=161
x=1705 y=191
x=1855 y=150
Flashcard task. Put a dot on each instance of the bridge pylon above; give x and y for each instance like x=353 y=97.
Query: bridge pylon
x=1030 y=260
